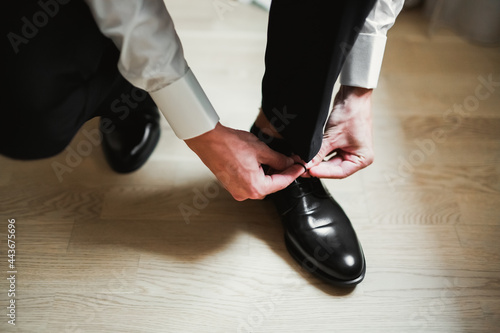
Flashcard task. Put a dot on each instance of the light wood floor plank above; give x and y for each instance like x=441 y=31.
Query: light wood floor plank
x=166 y=249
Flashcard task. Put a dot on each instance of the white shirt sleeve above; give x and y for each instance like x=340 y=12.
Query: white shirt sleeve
x=151 y=58
x=363 y=64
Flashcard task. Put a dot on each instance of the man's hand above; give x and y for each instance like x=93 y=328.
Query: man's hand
x=348 y=132
x=235 y=158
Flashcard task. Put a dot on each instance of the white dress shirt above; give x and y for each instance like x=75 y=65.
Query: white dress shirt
x=152 y=59
x=363 y=64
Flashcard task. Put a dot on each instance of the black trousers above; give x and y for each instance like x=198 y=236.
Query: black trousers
x=307 y=44
x=61 y=71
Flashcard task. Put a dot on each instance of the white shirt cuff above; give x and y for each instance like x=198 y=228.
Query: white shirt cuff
x=186 y=107
x=363 y=64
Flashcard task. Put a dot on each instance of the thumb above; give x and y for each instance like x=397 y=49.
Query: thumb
x=279 y=181
x=325 y=150
x=274 y=159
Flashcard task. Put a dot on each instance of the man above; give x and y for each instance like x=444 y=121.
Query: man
x=62 y=71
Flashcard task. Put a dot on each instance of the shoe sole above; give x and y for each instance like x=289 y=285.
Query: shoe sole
x=300 y=258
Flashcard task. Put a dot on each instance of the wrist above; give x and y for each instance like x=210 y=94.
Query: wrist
x=352 y=91
x=350 y=99
x=351 y=103
x=210 y=136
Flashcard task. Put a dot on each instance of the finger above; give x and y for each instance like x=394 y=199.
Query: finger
x=335 y=168
x=279 y=181
x=274 y=159
x=298 y=159
x=325 y=150
x=306 y=174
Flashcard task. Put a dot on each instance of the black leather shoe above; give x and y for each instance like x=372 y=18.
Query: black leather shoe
x=128 y=143
x=318 y=234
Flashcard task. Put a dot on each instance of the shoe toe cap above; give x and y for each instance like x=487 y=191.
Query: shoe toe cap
x=344 y=267
x=335 y=258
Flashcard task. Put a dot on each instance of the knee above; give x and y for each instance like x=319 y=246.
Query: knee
x=28 y=140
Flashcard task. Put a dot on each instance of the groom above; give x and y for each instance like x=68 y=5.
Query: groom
x=61 y=72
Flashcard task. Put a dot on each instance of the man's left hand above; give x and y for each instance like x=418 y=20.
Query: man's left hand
x=348 y=133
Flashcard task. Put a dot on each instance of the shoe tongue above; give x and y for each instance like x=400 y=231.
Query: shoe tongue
x=303 y=192
x=306 y=184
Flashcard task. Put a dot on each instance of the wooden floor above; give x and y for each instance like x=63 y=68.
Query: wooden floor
x=102 y=252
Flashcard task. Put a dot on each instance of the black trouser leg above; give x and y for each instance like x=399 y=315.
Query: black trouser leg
x=306 y=48
x=60 y=73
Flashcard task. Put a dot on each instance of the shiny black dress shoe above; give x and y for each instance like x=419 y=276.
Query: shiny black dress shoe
x=128 y=142
x=318 y=234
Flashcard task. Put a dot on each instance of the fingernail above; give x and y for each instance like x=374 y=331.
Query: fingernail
x=302 y=165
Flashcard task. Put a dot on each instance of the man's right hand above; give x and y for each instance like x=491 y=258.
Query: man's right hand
x=235 y=158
